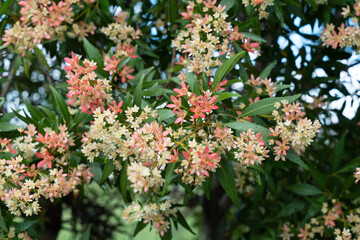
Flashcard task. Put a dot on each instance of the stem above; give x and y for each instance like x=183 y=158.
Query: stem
x=10 y=78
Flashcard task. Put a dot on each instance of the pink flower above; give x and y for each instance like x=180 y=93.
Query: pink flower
x=220 y=133
x=183 y=91
x=111 y=67
x=176 y=103
x=125 y=73
x=47 y=158
x=248 y=46
x=116 y=107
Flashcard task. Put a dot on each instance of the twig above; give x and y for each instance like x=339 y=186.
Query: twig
x=7 y=84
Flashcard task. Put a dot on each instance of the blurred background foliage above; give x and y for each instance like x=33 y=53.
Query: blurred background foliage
x=290 y=40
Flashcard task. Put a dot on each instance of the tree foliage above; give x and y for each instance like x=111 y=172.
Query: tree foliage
x=161 y=108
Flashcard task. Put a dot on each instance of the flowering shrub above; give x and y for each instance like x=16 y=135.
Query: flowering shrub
x=163 y=108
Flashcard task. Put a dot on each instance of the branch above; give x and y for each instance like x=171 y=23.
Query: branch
x=7 y=84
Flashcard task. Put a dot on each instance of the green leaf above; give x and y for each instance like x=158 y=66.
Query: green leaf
x=21 y=227
x=157 y=91
x=4 y=6
x=2 y=100
x=7 y=127
x=193 y=82
x=144 y=72
x=60 y=104
x=305 y=189
x=253 y=37
x=318 y=176
x=105 y=4
x=266 y=105
x=3 y=225
x=293 y=157
x=244 y=126
x=7 y=117
x=124 y=182
x=207 y=184
x=86 y=235
x=172 y=12
x=96 y=170
x=280 y=87
x=338 y=152
x=224 y=69
x=227 y=180
x=108 y=169
x=265 y=73
x=94 y=54
x=36 y=114
x=138 y=92
x=291 y=208
x=41 y=57
x=180 y=218
x=226 y=95
x=228 y=3
x=169 y=172
x=26 y=64
x=165 y=114
x=257 y=167
x=351 y=166
x=278 y=12
x=139 y=227
x=48 y=112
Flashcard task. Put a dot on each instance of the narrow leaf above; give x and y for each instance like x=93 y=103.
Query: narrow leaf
x=244 y=126
x=305 y=189
x=169 y=172
x=183 y=222
x=86 y=235
x=138 y=92
x=193 y=82
x=266 y=105
x=7 y=127
x=266 y=72
x=94 y=54
x=253 y=37
x=139 y=227
x=108 y=169
x=3 y=225
x=224 y=69
x=41 y=57
x=227 y=180
x=293 y=157
x=226 y=95
x=338 y=152
x=61 y=105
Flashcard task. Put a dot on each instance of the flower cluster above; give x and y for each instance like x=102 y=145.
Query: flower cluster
x=343 y=226
x=244 y=178
x=199 y=106
x=262 y=85
x=120 y=31
x=85 y=90
x=344 y=35
x=260 y=5
x=39 y=20
x=357 y=175
x=207 y=36
x=12 y=234
x=145 y=145
x=158 y=214
x=122 y=34
x=293 y=128
x=81 y=30
x=250 y=148
x=24 y=182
